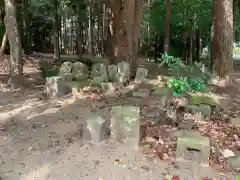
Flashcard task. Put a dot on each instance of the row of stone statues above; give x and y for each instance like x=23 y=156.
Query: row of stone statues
x=99 y=75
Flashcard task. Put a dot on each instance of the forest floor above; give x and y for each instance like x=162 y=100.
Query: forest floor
x=42 y=140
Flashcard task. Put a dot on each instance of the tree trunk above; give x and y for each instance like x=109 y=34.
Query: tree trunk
x=235 y=3
x=126 y=28
x=167 y=26
x=16 y=64
x=79 y=34
x=222 y=37
x=56 y=29
x=90 y=29
x=190 y=58
x=27 y=37
x=198 y=45
x=3 y=46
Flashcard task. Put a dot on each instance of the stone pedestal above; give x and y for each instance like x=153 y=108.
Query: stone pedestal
x=96 y=129
x=125 y=124
x=193 y=140
x=56 y=87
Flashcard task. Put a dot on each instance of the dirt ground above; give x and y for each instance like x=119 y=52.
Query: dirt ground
x=42 y=140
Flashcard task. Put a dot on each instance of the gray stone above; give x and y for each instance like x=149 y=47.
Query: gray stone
x=165 y=96
x=234 y=163
x=182 y=102
x=198 y=116
x=112 y=73
x=80 y=71
x=123 y=74
x=65 y=70
x=171 y=113
x=96 y=129
x=235 y=122
x=125 y=124
x=142 y=93
x=141 y=74
x=56 y=87
x=127 y=89
x=202 y=109
x=109 y=87
x=193 y=140
x=226 y=153
x=99 y=74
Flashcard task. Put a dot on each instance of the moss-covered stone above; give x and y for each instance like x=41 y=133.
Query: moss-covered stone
x=197 y=100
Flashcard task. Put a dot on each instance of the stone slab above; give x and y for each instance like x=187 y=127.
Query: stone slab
x=193 y=140
x=96 y=129
x=125 y=124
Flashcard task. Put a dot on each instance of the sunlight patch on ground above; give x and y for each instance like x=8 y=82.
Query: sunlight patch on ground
x=40 y=173
x=5 y=116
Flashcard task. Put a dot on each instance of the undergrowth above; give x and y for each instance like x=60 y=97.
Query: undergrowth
x=196 y=81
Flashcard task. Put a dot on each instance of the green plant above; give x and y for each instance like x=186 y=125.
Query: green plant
x=178 y=85
x=181 y=84
x=170 y=62
x=197 y=84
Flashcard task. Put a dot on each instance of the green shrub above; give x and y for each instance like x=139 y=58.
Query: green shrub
x=170 y=62
x=180 y=84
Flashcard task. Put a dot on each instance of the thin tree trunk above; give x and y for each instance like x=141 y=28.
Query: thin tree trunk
x=126 y=28
x=56 y=33
x=16 y=64
x=167 y=26
x=90 y=29
x=27 y=37
x=235 y=2
x=3 y=46
x=79 y=35
x=190 y=60
x=222 y=39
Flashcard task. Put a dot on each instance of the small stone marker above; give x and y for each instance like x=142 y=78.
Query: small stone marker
x=234 y=163
x=65 y=70
x=193 y=140
x=123 y=74
x=201 y=112
x=80 y=71
x=55 y=87
x=112 y=73
x=99 y=74
x=141 y=74
x=235 y=122
x=125 y=124
x=165 y=96
x=96 y=129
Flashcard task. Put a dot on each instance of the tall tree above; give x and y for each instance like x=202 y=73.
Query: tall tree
x=126 y=28
x=222 y=37
x=167 y=26
x=16 y=64
x=26 y=22
x=90 y=29
x=56 y=31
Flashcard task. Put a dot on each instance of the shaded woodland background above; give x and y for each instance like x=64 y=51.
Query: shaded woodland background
x=122 y=30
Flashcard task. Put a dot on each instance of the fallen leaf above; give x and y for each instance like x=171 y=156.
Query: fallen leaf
x=175 y=178
x=116 y=161
x=100 y=178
